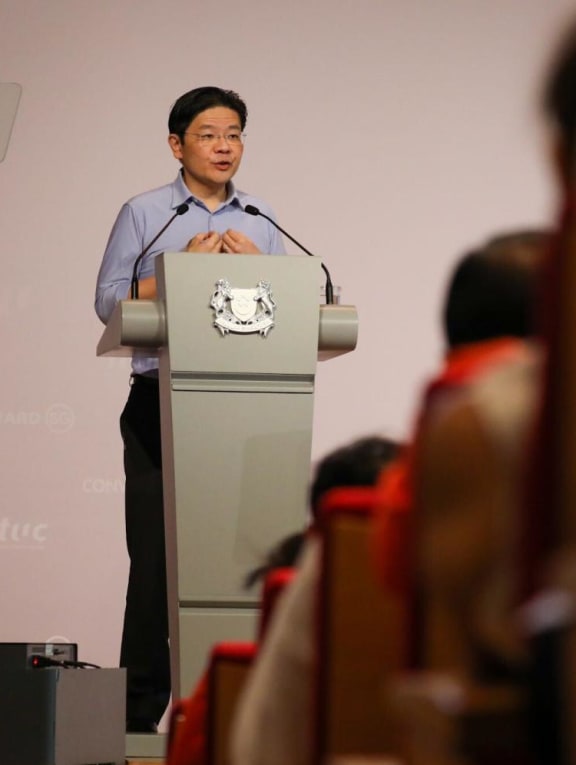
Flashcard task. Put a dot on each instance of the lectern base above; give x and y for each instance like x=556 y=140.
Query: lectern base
x=145 y=746
x=200 y=629
x=57 y=716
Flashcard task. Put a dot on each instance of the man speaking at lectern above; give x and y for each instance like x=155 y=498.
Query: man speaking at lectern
x=205 y=213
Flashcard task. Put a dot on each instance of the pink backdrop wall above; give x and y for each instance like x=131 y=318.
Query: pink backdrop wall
x=388 y=135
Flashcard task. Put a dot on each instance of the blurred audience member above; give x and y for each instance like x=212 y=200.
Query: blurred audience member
x=548 y=562
x=444 y=505
x=273 y=724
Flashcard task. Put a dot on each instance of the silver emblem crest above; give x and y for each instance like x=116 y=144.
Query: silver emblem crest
x=243 y=310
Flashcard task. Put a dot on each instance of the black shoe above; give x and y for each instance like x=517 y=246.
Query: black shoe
x=141 y=726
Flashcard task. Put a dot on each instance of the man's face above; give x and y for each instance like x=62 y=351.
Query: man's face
x=210 y=151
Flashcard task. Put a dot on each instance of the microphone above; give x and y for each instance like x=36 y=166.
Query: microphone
x=180 y=210
x=252 y=210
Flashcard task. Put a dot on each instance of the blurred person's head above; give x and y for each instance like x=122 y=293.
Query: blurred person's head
x=560 y=101
x=492 y=290
x=356 y=464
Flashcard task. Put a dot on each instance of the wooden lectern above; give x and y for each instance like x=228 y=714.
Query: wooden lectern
x=238 y=338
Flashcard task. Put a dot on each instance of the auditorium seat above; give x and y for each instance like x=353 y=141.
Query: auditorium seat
x=360 y=636
x=367 y=705
x=227 y=671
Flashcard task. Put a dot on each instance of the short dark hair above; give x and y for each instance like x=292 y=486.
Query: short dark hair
x=192 y=103
x=560 y=90
x=492 y=290
x=356 y=464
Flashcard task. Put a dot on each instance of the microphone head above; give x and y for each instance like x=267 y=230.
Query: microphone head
x=251 y=210
x=183 y=208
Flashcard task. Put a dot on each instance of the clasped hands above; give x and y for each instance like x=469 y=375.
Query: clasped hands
x=230 y=242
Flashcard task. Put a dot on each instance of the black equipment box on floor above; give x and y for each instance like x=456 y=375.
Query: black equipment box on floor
x=58 y=716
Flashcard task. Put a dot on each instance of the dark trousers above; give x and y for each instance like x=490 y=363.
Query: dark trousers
x=144 y=651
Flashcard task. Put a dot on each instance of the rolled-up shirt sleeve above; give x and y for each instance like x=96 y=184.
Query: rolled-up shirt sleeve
x=115 y=275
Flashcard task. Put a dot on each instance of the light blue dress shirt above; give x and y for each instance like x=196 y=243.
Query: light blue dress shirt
x=140 y=220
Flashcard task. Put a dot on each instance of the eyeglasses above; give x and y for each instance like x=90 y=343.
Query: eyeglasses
x=209 y=139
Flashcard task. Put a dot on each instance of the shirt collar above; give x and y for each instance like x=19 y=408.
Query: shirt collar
x=181 y=194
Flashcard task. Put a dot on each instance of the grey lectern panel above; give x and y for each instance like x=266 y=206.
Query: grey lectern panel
x=195 y=345
x=237 y=415
x=240 y=479
x=238 y=459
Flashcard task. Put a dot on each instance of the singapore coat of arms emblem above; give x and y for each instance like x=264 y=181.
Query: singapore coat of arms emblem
x=243 y=310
